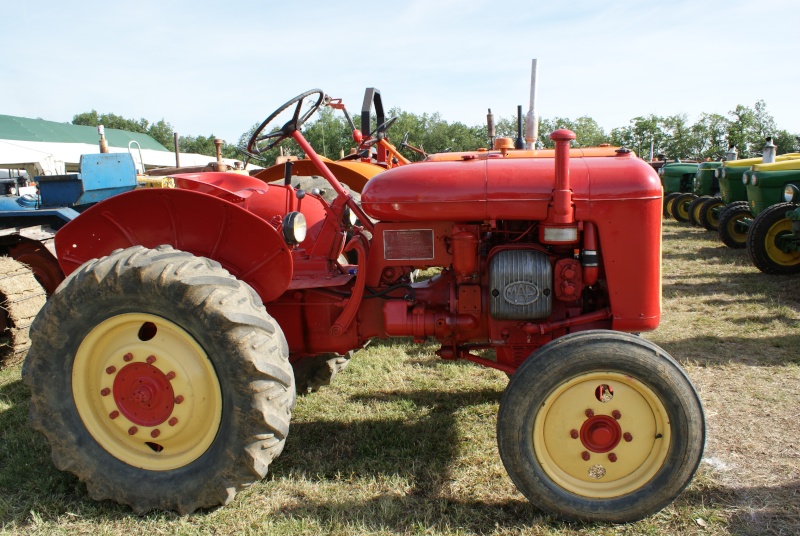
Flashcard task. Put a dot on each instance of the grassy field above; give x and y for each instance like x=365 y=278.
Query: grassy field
x=404 y=443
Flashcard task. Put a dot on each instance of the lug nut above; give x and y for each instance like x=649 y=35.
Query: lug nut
x=111 y=370
x=113 y=415
x=627 y=437
x=127 y=357
x=616 y=414
x=585 y=455
x=170 y=375
x=179 y=399
x=151 y=359
x=173 y=421
x=105 y=391
x=612 y=457
x=132 y=430
x=573 y=434
x=155 y=433
x=589 y=413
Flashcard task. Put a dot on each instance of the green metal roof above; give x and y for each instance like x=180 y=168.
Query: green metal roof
x=24 y=129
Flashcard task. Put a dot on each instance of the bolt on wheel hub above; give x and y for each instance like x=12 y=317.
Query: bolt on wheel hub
x=601 y=434
x=146 y=391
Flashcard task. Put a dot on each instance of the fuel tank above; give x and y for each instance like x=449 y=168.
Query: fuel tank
x=476 y=189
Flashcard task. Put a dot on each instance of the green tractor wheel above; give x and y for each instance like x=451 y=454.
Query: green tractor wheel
x=771 y=244
x=709 y=213
x=668 y=200
x=680 y=207
x=694 y=210
x=600 y=426
x=734 y=223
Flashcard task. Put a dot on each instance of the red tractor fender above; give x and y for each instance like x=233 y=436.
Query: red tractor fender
x=204 y=225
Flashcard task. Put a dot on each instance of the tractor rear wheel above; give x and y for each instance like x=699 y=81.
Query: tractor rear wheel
x=669 y=199
x=314 y=372
x=159 y=380
x=21 y=298
x=709 y=213
x=734 y=224
x=680 y=207
x=600 y=426
x=694 y=210
x=768 y=244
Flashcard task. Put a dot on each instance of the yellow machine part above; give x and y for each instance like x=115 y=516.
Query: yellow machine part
x=784 y=164
x=145 y=181
x=354 y=174
x=747 y=162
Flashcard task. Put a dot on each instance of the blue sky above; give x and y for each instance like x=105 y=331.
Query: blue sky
x=215 y=67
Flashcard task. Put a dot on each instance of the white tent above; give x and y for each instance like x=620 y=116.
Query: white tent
x=52 y=158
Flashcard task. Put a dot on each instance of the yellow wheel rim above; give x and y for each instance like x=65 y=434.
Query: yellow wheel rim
x=696 y=212
x=683 y=210
x=146 y=392
x=601 y=449
x=777 y=255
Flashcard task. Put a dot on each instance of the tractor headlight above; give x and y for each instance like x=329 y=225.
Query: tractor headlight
x=294 y=228
x=716 y=173
x=723 y=173
x=753 y=180
x=744 y=179
x=791 y=193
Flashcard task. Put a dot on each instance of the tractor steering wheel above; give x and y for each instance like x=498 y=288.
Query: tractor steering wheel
x=260 y=143
x=371 y=139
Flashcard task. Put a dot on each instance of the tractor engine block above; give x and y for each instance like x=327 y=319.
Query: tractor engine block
x=520 y=285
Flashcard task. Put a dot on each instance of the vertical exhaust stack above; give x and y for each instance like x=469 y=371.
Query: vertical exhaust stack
x=103 y=142
x=532 y=118
x=560 y=226
x=769 y=151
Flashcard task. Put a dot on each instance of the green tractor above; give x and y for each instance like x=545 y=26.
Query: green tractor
x=676 y=179
x=705 y=187
x=773 y=239
x=735 y=216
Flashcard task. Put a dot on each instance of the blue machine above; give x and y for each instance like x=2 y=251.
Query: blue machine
x=28 y=223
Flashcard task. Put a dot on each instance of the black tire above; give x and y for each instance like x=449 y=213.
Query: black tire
x=680 y=207
x=206 y=335
x=733 y=224
x=314 y=372
x=710 y=212
x=694 y=210
x=668 y=200
x=547 y=455
x=21 y=298
x=764 y=246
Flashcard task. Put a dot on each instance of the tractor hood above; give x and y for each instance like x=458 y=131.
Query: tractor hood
x=501 y=188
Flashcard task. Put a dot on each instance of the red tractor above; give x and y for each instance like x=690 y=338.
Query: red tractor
x=161 y=370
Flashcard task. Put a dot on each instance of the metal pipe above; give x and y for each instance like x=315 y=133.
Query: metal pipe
x=562 y=195
x=532 y=119
x=177 y=151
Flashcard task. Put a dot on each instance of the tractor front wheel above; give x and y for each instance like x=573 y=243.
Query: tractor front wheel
x=669 y=199
x=734 y=224
x=709 y=213
x=771 y=242
x=600 y=426
x=159 y=380
x=680 y=207
x=694 y=210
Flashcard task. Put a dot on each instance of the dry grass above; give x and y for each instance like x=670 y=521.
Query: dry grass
x=405 y=444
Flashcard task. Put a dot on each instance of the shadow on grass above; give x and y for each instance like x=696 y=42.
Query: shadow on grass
x=711 y=350
x=759 y=510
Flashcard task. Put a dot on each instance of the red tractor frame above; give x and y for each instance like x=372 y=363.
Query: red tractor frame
x=163 y=368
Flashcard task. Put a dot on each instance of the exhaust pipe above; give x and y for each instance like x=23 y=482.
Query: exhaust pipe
x=532 y=118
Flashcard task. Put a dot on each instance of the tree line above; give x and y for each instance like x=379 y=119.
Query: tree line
x=673 y=136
